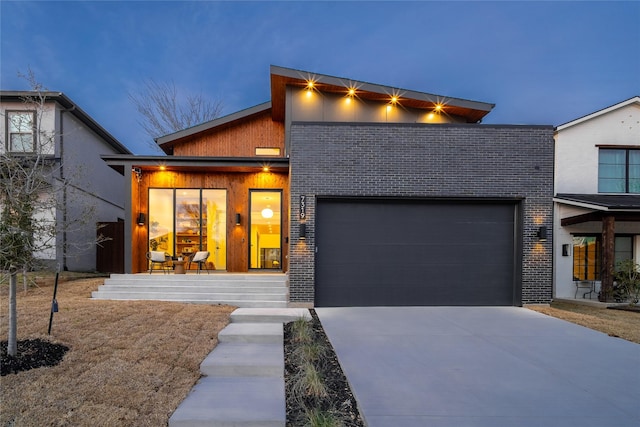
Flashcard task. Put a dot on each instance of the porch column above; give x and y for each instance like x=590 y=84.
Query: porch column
x=608 y=257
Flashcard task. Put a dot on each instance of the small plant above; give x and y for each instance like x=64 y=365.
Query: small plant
x=302 y=331
x=308 y=383
x=319 y=418
x=627 y=276
x=312 y=352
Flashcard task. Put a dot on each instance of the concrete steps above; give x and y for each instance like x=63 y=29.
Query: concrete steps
x=243 y=383
x=240 y=290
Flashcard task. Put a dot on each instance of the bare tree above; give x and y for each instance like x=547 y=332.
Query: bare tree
x=31 y=189
x=163 y=111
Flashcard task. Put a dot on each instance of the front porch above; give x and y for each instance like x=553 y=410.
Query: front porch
x=236 y=289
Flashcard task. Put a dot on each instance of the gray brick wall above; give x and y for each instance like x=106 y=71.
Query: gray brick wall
x=406 y=160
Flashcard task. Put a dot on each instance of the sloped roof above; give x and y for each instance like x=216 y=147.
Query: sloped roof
x=472 y=111
x=73 y=108
x=603 y=202
x=172 y=138
x=634 y=100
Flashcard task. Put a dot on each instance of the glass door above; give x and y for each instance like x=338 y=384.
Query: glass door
x=266 y=230
x=185 y=221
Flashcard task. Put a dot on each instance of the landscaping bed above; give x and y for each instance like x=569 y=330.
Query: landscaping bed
x=318 y=393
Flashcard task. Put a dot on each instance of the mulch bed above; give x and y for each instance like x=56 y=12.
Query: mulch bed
x=631 y=308
x=340 y=400
x=31 y=354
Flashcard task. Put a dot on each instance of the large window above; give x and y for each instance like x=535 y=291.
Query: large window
x=619 y=171
x=20 y=131
x=185 y=221
x=587 y=255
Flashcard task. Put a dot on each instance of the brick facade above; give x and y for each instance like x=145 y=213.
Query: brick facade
x=425 y=161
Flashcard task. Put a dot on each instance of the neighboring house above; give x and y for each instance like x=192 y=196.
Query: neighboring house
x=77 y=142
x=364 y=194
x=597 y=201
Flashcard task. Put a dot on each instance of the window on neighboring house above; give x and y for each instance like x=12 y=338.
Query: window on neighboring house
x=587 y=255
x=20 y=131
x=619 y=170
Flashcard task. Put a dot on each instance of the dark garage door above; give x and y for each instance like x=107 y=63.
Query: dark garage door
x=407 y=252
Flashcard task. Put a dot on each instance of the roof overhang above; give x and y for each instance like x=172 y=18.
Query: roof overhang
x=471 y=111
x=601 y=202
x=622 y=207
x=197 y=164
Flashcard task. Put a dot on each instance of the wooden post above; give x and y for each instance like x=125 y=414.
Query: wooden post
x=608 y=257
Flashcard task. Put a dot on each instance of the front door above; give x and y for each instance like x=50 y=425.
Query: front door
x=265 y=246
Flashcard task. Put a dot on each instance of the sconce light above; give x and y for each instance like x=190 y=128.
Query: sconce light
x=303 y=231
x=141 y=218
x=238 y=218
x=542 y=233
x=566 y=249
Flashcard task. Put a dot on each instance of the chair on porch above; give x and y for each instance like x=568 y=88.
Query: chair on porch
x=161 y=258
x=584 y=284
x=200 y=257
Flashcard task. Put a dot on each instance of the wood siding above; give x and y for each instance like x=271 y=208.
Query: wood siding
x=237 y=185
x=239 y=140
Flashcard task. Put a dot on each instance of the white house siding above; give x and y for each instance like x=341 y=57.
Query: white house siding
x=576 y=171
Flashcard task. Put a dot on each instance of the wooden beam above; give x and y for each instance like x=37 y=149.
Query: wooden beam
x=608 y=257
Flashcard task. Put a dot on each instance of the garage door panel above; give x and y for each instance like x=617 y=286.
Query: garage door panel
x=414 y=253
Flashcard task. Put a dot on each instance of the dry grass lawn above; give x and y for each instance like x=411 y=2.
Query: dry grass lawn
x=617 y=323
x=130 y=363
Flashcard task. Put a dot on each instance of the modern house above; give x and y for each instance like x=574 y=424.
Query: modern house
x=61 y=131
x=362 y=194
x=597 y=201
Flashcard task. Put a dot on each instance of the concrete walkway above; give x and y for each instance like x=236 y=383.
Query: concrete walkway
x=483 y=366
x=243 y=377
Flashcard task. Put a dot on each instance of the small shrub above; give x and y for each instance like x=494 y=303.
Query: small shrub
x=627 y=276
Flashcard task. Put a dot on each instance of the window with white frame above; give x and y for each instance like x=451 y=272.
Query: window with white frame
x=619 y=170
x=20 y=131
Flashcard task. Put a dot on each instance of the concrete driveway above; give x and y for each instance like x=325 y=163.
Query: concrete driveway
x=483 y=366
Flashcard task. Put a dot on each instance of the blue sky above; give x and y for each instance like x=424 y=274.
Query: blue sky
x=545 y=62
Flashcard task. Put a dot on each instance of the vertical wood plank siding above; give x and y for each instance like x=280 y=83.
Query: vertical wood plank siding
x=239 y=140
x=237 y=185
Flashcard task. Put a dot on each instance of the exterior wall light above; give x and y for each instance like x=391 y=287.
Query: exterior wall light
x=142 y=219
x=303 y=231
x=238 y=218
x=542 y=233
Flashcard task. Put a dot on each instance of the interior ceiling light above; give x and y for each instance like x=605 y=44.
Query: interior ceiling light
x=267 y=213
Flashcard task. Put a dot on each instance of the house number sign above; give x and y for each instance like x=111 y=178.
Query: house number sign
x=303 y=206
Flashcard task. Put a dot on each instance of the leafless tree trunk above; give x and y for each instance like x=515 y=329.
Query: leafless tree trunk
x=31 y=184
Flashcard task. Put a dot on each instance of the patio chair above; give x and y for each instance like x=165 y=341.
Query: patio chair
x=200 y=257
x=584 y=284
x=159 y=257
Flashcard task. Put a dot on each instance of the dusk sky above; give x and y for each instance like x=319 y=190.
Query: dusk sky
x=545 y=62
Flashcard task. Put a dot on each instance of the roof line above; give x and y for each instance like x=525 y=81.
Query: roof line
x=74 y=109
x=632 y=100
x=213 y=123
x=380 y=89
